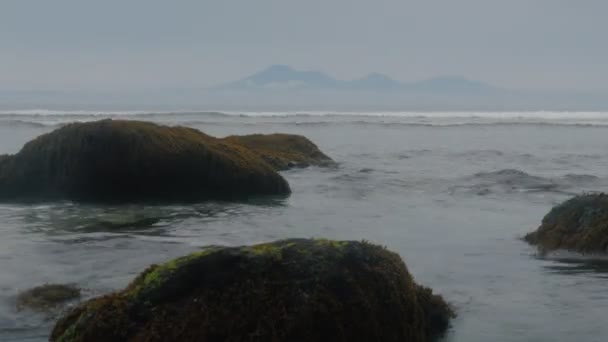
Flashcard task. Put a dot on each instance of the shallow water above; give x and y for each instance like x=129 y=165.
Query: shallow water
x=452 y=193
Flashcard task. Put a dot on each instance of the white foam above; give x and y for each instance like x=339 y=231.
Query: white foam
x=437 y=118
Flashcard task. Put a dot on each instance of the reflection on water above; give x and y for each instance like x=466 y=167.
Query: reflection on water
x=572 y=264
x=67 y=218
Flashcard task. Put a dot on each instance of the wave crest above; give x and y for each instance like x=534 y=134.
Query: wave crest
x=424 y=119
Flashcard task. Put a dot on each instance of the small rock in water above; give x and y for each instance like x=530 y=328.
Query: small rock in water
x=46 y=297
x=579 y=224
x=283 y=151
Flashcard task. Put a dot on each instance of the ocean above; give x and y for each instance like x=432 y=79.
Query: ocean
x=451 y=192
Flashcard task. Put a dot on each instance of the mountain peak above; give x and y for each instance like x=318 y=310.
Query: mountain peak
x=278 y=68
x=284 y=76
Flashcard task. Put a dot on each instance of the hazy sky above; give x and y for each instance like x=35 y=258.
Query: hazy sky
x=128 y=44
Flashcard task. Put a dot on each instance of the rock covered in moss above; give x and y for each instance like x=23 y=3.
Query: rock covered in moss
x=46 y=297
x=283 y=151
x=579 y=224
x=3 y=159
x=290 y=290
x=117 y=160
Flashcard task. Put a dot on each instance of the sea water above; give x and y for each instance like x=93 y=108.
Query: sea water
x=451 y=192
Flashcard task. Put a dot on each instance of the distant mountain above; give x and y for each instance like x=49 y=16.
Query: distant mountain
x=285 y=77
x=285 y=88
x=374 y=81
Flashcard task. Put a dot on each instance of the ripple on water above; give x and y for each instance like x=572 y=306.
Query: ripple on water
x=567 y=263
x=514 y=181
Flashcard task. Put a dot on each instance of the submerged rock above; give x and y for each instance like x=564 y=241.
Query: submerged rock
x=290 y=290
x=283 y=151
x=579 y=224
x=124 y=223
x=46 y=297
x=117 y=160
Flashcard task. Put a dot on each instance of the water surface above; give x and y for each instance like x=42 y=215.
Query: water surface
x=451 y=192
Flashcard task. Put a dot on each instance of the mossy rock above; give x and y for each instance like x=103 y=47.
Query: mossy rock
x=128 y=161
x=283 y=151
x=3 y=159
x=290 y=290
x=579 y=224
x=47 y=297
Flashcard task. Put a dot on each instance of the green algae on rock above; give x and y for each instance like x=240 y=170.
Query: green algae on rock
x=127 y=161
x=47 y=297
x=290 y=290
x=580 y=224
x=283 y=151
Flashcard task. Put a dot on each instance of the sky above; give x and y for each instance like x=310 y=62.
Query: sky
x=151 y=44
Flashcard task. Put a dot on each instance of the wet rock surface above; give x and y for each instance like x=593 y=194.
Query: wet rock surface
x=288 y=290
x=580 y=224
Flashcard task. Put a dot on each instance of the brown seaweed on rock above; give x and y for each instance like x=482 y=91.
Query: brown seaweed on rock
x=579 y=224
x=291 y=290
x=117 y=160
x=283 y=151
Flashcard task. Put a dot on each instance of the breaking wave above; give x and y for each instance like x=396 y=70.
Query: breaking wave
x=48 y=117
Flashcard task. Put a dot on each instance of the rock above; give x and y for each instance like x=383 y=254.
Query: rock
x=130 y=161
x=47 y=297
x=283 y=151
x=290 y=290
x=579 y=224
x=3 y=159
x=125 y=223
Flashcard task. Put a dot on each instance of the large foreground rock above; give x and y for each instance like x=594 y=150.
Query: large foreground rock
x=116 y=160
x=291 y=290
x=579 y=224
x=283 y=151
